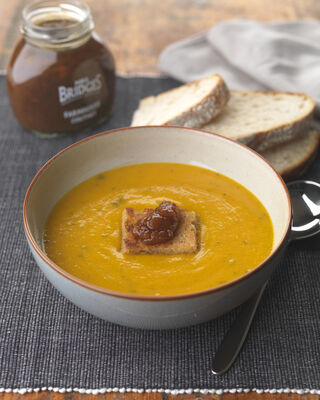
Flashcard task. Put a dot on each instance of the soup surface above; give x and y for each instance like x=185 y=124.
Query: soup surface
x=83 y=231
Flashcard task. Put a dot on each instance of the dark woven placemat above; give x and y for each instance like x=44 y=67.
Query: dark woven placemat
x=46 y=342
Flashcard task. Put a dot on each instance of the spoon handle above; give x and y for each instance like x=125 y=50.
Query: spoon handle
x=303 y=194
x=230 y=346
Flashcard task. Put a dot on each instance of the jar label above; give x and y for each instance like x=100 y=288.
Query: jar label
x=81 y=114
x=81 y=88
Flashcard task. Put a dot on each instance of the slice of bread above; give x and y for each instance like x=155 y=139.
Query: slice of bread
x=184 y=241
x=262 y=120
x=293 y=158
x=192 y=105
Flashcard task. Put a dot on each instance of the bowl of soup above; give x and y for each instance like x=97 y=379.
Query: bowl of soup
x=73 y=218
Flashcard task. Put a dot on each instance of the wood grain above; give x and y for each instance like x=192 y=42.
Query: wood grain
x=156 y=396
x=136 y=32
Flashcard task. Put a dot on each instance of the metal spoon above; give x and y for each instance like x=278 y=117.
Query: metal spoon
x=305 y=199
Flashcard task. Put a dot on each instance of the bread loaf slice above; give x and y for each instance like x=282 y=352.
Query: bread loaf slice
x=293 y=158
x=192 y=105
x=262 y=120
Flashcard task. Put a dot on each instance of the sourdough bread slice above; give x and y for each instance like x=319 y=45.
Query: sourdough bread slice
x=293 y=158
x=191 y=105
x=262 y=120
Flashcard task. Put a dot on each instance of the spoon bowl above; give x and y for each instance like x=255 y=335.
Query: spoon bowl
x=305 y=199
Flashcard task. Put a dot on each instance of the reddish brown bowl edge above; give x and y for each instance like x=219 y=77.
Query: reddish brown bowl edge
x=128 y=296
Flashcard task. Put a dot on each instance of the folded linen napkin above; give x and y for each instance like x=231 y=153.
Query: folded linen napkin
x=283 y=56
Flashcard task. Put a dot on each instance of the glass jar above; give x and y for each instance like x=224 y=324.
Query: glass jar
x=60 y=78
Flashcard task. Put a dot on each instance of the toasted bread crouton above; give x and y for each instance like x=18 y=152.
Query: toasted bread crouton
x=184 y=241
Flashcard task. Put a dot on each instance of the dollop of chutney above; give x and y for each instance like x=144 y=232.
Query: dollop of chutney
x=160 y=225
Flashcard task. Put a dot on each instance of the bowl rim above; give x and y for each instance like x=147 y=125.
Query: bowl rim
x=136 y=297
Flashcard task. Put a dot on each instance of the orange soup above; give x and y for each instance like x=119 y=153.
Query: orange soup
x=83 y=231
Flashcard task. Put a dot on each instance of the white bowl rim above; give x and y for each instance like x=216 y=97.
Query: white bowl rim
x=136 y=297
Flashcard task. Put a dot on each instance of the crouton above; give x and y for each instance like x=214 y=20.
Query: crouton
x=184 y=241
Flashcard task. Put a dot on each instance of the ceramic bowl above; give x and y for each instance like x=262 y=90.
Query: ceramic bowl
x=155 y=144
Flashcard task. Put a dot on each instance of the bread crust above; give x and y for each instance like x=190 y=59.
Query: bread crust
x=184 y=241
x=206 y=110
x=300 y=165
x=201 y=113
x=266 y=139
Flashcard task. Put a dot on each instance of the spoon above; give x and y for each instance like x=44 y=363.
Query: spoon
x=305 y=199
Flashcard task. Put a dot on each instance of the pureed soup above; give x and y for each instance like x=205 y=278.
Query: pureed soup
x=83 y=231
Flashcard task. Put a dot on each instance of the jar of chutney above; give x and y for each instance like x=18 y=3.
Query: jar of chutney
x=61 y=78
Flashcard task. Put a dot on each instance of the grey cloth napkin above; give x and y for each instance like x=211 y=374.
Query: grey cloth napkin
x=282 y=56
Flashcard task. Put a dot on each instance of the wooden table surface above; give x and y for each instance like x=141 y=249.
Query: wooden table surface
x=136 y=31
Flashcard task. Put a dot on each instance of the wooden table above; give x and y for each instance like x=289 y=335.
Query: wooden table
x=155 y=396
x=136 y=32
